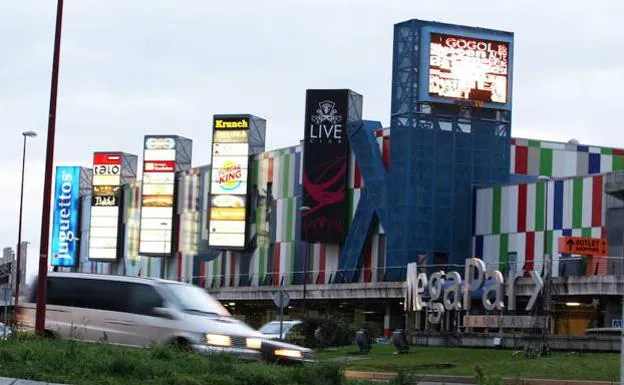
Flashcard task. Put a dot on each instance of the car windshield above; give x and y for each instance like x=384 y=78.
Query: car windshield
x=274 y=328
x=193 y=299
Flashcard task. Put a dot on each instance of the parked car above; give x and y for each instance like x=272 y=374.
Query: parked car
x=271 y=330
x=140 y=311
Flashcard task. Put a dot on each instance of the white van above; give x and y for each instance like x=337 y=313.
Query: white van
x=140 y=312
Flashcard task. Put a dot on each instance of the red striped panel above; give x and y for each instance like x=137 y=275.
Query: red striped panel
x=322 y=257
x=522 y=160
x=202 y=274
x=513 y=141
x=107 y=158
x=597 y=201
x=368 y=259
x=618 y=151
x=270 y=178
x=529 y=250
x=357 y=177
x=379 y=133
x=522 y=207
x=385 y=154
x=276 y=261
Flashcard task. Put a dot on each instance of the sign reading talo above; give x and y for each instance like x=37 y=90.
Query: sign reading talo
x=457 y=296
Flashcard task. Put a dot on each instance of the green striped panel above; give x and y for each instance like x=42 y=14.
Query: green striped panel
x=291 y=270
x=496 y=210
x=286 y=182
x=503 y=252
x=586 y=232
x=549 y=242
x=290 y=220
x=546 y=159
x=606 y=151
x=254 y=171
x=577 y=203
x=539 y=206
x=618 y=163
x=534 y=143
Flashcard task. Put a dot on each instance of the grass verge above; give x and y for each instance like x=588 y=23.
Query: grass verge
x=492 y=362
x=71 y=362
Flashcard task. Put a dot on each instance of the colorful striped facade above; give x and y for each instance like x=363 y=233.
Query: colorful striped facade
x=508 y=221
x=562 y=160
x=512 y=221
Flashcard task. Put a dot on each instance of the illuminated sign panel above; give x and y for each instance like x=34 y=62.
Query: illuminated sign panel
x=467 y=68
x=228 y=187
x=157 y=195
x=105 y=206
x=64 y=249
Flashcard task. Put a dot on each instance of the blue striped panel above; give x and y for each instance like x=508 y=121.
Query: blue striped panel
x=581 y=148
x=478 y=246
x=558 y=203
x=594 y=163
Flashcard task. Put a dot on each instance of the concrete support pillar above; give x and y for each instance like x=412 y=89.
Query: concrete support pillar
x=386 y=330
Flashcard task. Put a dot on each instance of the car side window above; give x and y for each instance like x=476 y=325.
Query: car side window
x=143 y=299
x=95 y=294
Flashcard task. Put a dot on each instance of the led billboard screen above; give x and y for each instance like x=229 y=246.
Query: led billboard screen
x=325 y=150
x=105 y=206
x=65 y=214
x=228 y=187
x=157 y=195
x=469 y=68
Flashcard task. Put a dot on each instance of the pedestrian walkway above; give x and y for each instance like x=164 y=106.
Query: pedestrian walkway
x=426 y=379
x=15 y=381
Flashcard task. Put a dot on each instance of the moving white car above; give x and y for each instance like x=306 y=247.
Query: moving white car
x=271 y=330
x=142 y=311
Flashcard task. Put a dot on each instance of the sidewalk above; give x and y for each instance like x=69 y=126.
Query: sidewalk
x=385 y=377
x=15 y=381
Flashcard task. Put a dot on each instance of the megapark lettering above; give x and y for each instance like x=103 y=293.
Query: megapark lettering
x=225 y=124
x=457 y=295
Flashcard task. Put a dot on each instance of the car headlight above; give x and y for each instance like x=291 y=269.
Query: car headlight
x=218 y=340
x=254 y=343
x=288 y=353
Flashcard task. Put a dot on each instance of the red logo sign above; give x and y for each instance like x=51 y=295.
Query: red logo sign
x=159 y=166
x=106 y=158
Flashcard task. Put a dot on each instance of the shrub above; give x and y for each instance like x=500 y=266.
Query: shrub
x=338 y=330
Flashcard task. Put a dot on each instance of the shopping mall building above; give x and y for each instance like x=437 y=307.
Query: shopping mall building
x=335 y=219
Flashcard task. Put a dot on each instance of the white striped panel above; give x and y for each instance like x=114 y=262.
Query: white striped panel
x=284 y=259
x=538 y=262
x=558 y=163
x=550 y=203
x=567 y=205
x=596 y=232
x=512 y=159
x=520 y=244
x=553 y=145
x=510 y=205
x=279 y=223
x=530 y=208
x=331 y=259
x=484 y=211
x=491 y=245
x=570 y=163
x=588 y=188
x=594 y=150
x=555 y=252
x=277 y=176
x=606 y=163
x=577 y=232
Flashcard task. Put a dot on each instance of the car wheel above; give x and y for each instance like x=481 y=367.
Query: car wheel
x=181 y=344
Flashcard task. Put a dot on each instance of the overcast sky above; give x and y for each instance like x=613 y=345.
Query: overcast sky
x=132 y=67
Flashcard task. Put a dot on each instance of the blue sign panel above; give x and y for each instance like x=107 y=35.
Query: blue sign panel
x=64 y=251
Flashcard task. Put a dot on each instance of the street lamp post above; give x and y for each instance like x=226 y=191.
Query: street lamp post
x=47 y=185
x=546 y=264
x=26 y=134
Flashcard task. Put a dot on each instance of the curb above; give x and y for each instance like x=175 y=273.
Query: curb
x=385 y=377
